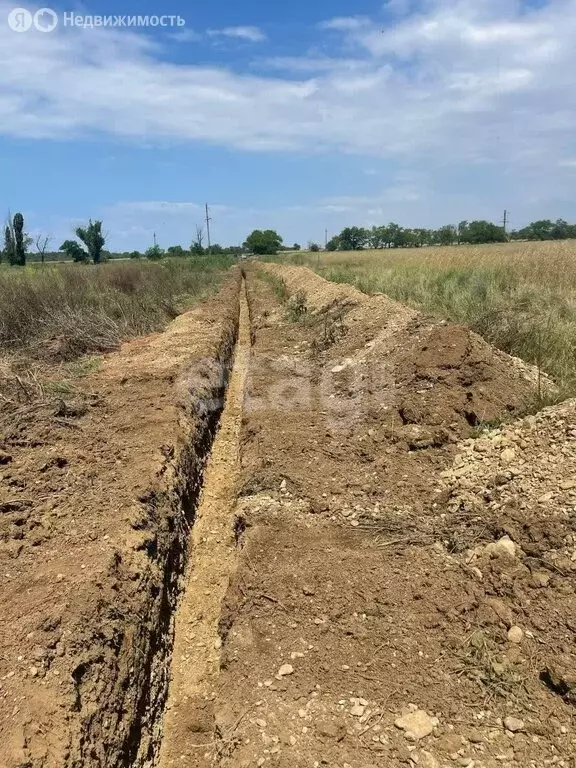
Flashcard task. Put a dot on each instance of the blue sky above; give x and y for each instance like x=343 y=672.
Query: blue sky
x=299 y=117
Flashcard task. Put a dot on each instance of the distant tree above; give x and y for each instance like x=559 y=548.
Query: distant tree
x=19 y=248
x=197 y=246
x=93 y=239
x=296 y=247
x=422 y=237
x=353 y=238
x=42 y=242
x=314 y=247
x=176 y=250
x=483 y=232
x=74 y=251
x=541 y=230
x=446 y=235
x=261 y=242
x=462 y=232
x=154 y=253
x=8 y=251
x=333 y=244
x=560 y=230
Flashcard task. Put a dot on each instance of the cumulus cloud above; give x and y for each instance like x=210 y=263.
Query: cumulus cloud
x=460 y=81
x=252 y=34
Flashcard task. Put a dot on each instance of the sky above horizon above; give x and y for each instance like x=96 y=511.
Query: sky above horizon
x=298 y=117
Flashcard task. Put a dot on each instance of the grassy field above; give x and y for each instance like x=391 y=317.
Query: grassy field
x=64 y=311
x=519 y=296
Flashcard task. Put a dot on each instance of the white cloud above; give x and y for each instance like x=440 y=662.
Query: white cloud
x=464 y=83
x=252 y=34
x=186 y=36
x=345 y=23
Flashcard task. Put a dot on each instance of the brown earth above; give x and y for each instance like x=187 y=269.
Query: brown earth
x=97 y=496
x=393 y=586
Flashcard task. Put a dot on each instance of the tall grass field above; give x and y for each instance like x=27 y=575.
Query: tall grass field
x=67 y=310
x=521 y=297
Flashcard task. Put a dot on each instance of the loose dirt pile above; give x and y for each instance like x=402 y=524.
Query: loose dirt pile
x=355 y=633
x=97 y=497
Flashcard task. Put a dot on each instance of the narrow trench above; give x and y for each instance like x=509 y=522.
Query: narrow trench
x=188 y=723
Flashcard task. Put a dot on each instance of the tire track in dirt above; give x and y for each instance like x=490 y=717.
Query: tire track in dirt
x=188 y=721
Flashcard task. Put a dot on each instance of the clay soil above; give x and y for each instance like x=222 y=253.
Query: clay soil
x=392 y=536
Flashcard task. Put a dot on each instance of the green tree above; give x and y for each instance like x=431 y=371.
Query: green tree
x=74 y=251
x=135 y=255
x=296 y=247
x=177 y=251
x=353 y=238
x=483 y=232
x=93 y=239
x=261 y=242
x=560 y=230
x=154 y=253
x=446 y=235
x=314 y=247
x=377 y=237
x=19 y=240
x=8 y=244
x=333 y=244
x=422 y=237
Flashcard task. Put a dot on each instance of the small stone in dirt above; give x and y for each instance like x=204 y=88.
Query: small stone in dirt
x=505 y=546
x=508 y=456
x=416 y=725
x=308 y=591
x=541 y=579
x=427 y=760
x=357 y=710
x=475 y=737
x=260 y=723
x=513 y=724
x=515 y=635
x=333 y=730
x=283 y=485
x=285 y=670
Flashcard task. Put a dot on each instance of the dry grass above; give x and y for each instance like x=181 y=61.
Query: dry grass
x=65 y=311
x=519 y=296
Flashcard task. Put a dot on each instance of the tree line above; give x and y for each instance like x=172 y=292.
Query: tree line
x=467 y=232
x=90 y=241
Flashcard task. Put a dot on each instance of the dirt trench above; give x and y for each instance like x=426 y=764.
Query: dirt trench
x=98 y=494
x=369 y=613
x=213 y=545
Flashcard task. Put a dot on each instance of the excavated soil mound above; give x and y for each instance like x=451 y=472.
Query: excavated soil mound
x=367 y=364
x=356 y=631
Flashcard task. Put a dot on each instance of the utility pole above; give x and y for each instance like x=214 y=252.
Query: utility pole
x=208 y=220
x=155 y=243
x=325 y=239
x=505 y=221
